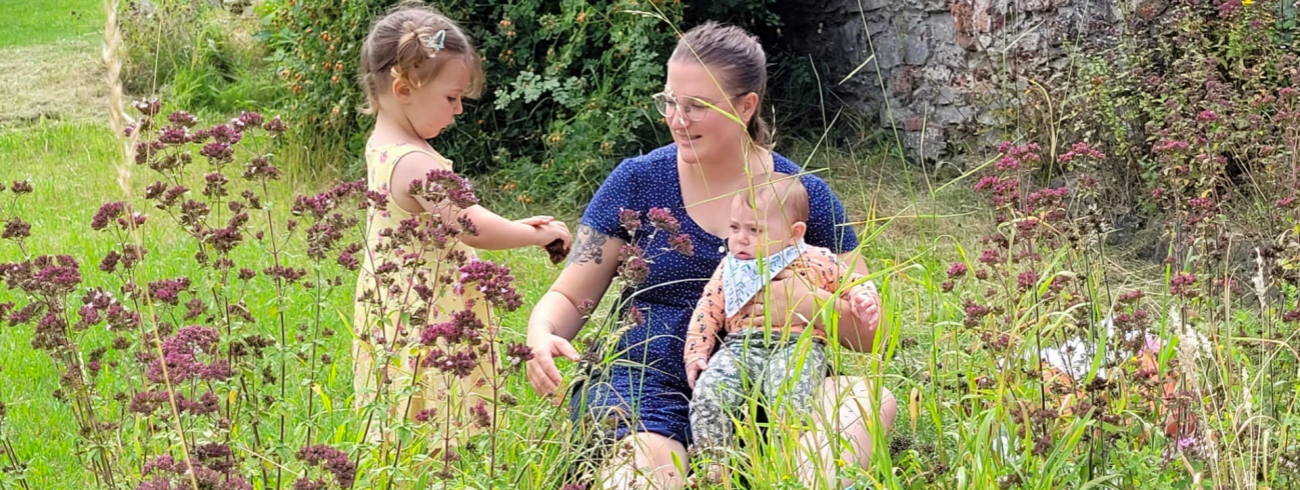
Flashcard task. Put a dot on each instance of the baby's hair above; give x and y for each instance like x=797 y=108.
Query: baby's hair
x=790 y=195
x=412 y=43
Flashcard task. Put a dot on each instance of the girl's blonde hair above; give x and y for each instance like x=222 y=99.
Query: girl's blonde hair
x=412 y=43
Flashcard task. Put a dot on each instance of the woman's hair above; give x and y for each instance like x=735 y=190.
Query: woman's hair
x=738 y=58
x=412 y=43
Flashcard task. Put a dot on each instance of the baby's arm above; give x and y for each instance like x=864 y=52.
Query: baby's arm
x=863 y=299
x=706 y=322
x=493 y=231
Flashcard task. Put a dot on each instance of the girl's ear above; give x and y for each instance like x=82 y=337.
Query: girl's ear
x=401 y=90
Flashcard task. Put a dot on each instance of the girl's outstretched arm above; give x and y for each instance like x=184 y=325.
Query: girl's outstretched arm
x=497 y=233
x=494 y=232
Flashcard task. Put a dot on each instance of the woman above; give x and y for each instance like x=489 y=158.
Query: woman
x=716 y=77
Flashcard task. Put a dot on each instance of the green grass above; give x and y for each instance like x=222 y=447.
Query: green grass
x=34 y=22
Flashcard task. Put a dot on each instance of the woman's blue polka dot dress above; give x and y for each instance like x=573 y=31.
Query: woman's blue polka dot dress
x=653 y=395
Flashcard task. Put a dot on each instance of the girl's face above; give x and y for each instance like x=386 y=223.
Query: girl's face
x=714 y=136
x=436 y=103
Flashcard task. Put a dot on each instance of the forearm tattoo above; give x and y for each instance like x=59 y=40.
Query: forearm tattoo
x=589 y=246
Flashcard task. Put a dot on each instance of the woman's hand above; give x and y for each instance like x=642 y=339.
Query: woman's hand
x=788 y=296
x=694 y=369
x=542 y=373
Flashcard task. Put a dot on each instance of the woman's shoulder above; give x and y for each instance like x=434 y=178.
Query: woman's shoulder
x=653 y=162
x=644 y=168
x=814 y=184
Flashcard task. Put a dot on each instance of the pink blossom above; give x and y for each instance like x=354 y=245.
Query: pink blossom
x=957 y=269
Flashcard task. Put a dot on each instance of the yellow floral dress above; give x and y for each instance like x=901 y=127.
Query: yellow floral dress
x=385 y=316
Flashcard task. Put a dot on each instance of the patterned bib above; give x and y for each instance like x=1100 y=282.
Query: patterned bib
x=741 y=279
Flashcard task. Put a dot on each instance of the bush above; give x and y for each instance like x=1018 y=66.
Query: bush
x=571 y=84
x=1190 y=120
x=1194 y=102
x=201 y=56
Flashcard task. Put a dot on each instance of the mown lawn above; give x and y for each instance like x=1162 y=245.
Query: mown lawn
x=34 y=22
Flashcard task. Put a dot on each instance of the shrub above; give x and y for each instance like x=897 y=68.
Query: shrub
x=571 y=83
x=203 y=57
x=1192 y=102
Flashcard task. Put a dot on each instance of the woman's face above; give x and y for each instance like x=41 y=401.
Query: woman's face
x=715 y=136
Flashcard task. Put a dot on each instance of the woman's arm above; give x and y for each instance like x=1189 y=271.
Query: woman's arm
x=557 y=317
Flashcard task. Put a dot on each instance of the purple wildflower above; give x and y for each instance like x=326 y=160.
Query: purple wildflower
x=630 y=219
x=218 y=152
x=518 y=353
x=956 y=270
x=494 y=281
x=107 y=214
x=275 y=126
x=332 y=460
x=182 y=119
x=662 y=219
x=1183 y=284
x=16 y=229
x=682 y=244
x=148 y=107
x=1026 y=280
x=480 y=414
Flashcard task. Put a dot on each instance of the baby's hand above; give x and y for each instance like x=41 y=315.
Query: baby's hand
x=866 y=305
x=693 y=371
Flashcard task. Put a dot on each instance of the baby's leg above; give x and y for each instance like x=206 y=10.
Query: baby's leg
x=717 y=392
x=792 y=373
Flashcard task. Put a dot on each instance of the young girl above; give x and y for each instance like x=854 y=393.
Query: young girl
x=416 y=66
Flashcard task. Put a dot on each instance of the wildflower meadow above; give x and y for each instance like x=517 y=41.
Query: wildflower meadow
x=1106 y=296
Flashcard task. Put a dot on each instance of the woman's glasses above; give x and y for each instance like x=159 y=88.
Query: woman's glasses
x=692 y=108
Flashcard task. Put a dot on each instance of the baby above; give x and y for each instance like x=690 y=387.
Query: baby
x=770 y=218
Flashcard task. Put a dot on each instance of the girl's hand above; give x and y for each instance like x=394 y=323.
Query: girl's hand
x=551 y=231
x=694 y=369
x=542 y=373
x=787 y=296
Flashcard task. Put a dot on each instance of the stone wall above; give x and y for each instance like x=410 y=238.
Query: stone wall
x=941 y=68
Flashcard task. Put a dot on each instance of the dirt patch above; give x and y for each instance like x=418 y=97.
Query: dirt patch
x=60 y=80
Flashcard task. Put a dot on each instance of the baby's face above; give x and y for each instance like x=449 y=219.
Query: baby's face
x=759 y=232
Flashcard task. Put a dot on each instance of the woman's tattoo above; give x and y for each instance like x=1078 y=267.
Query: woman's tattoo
x=588 y=246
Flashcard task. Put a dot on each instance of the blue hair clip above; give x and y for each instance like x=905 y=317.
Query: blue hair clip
x=437 y=42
